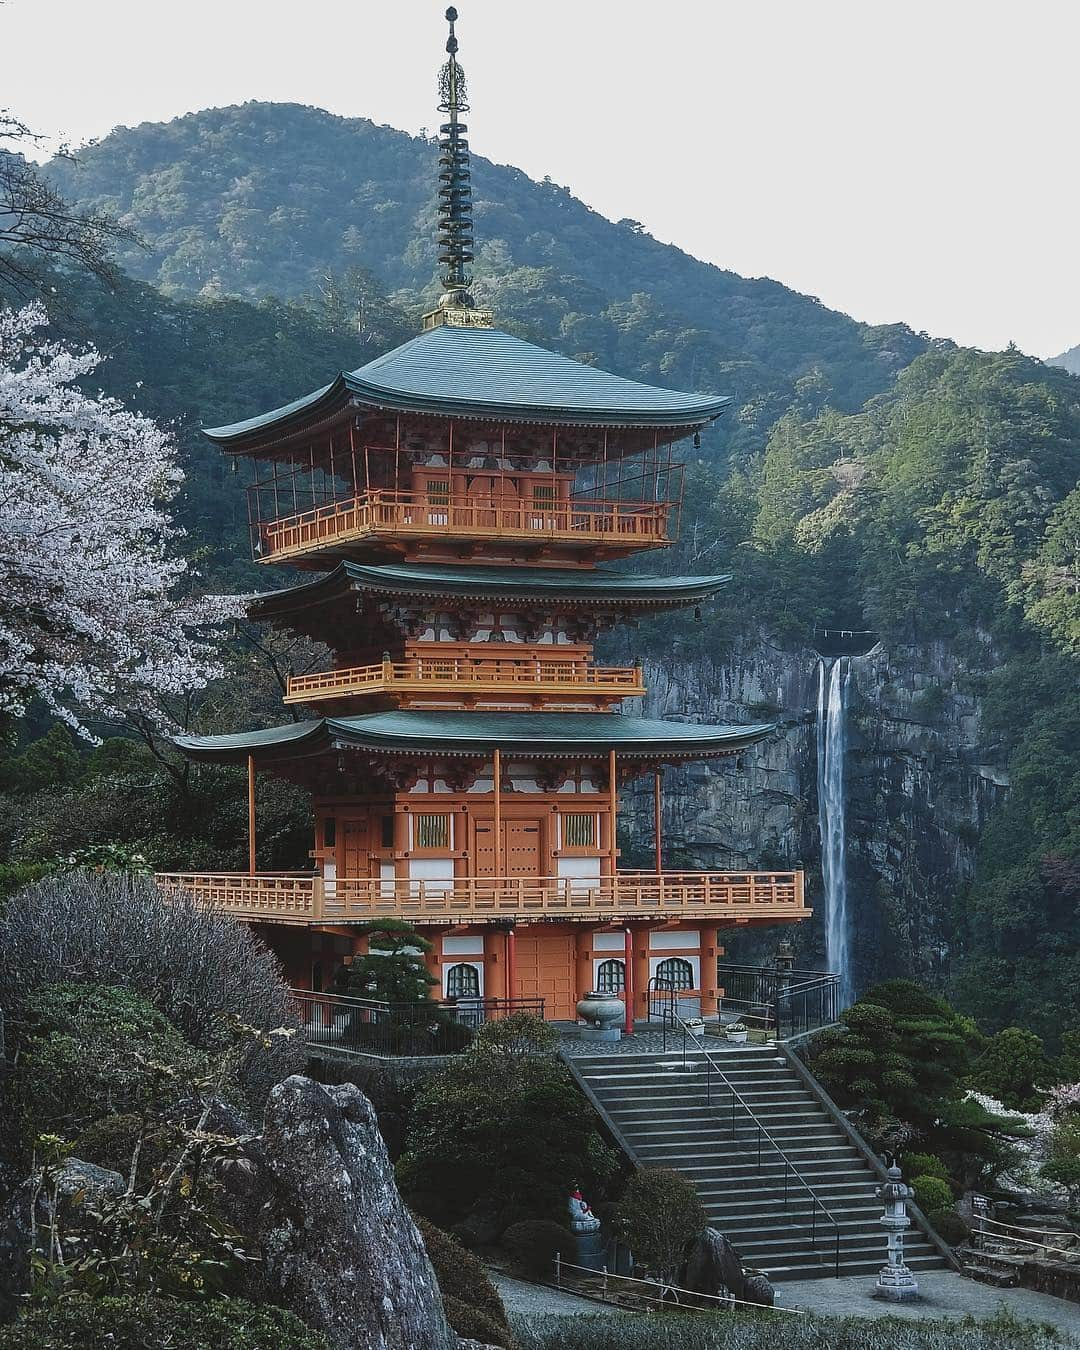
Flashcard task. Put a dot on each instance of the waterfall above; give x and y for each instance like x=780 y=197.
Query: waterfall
x=833 y=678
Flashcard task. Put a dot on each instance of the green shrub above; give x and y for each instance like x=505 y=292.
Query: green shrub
x=924 y=1165
x=13 y=876
x=775 y=1331
x=89 y=1051
x=111 y=1142
x=473 y=1306
x=151 y=1324
x=949 y=1226
x=533 y=1243
x=660 y=1212
x=519 y=1034
x=1013 y=1068
x=504 y=1135
x=932 y=1193
x=194 y=965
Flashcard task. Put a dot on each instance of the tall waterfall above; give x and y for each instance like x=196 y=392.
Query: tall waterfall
x=833 y=678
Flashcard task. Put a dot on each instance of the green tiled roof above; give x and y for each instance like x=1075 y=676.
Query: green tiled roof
x=532 y=735
x=570 y=584
x=484 y=373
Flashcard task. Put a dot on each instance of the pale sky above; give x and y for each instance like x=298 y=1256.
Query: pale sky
x=911 y=160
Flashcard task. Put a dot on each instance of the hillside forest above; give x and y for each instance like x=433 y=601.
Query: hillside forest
x=871 y=478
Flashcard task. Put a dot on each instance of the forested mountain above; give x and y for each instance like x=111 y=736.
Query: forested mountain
x=268 y=199
x=867 y=477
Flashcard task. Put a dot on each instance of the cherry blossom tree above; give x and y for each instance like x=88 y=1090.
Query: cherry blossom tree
x=97 y=613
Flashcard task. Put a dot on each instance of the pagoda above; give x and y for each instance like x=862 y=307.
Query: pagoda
x=457 y=502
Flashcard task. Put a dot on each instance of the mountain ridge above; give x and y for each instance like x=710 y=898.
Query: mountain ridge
x=261 y=199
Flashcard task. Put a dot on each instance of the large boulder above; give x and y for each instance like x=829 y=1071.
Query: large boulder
x=338 y=1245
x=712 y=1266
x=71 y=1186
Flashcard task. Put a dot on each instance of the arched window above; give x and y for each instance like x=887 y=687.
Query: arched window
x=675 y=973
x=462 y=981
x=610 y=977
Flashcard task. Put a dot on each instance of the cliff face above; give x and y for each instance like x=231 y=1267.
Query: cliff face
x=919 y=788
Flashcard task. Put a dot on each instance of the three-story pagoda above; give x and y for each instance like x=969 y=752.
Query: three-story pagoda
x=458 y=498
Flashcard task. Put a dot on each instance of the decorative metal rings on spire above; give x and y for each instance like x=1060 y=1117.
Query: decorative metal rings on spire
x=455 y=186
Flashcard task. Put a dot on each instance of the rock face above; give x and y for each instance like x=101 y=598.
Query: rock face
x=76 y=1182
x=712 y=1266
x=921 y=782
x=339 y=1247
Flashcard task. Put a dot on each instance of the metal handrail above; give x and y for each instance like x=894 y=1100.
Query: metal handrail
x=789 y=1166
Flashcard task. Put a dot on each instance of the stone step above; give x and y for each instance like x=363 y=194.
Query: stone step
x=808 y=1266
x=745 y=1173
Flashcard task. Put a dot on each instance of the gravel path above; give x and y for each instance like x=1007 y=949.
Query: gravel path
x=524 y=1300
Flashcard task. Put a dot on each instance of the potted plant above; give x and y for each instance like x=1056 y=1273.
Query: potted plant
x=695 y=1026
x=737 y=1032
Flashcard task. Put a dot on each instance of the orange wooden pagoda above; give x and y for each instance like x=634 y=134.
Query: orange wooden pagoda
x=459 y=498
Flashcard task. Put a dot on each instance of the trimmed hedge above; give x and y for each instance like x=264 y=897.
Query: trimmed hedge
x=473 y=1306
x=932 y=1193
x=949 y=1226
x=153 y=1323
x=533 y=1243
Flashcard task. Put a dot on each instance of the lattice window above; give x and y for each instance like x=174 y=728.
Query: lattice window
x=430 y=831
x=610 y=977
x=543 y=494
x=462 y=981
x=675 y=973
x=438 y=491
x=579 y=829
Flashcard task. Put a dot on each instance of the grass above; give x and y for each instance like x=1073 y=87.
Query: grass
x=762 y=1331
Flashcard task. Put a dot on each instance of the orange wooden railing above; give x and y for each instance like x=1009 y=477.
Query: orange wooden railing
x=722 y=897
x=472 y=674
x=637 y=524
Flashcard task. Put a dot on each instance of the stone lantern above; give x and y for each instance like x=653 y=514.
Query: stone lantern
x=896 y=1282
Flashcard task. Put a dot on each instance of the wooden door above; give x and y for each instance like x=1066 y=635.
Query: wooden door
x=545 y=969
x=521 y=852
x=353 y=847
x=521 y=848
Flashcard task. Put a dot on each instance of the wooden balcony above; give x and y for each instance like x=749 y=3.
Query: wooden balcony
x=387 y=515
x=727 y=898
x=468 y=676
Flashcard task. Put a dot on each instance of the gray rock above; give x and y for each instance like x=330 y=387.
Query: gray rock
x=712 y=1266
x=77 y=1183
x=338 y=1245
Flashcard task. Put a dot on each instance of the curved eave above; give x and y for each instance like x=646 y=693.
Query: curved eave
x=290 y=417
x=477 y=583
x=464 y=734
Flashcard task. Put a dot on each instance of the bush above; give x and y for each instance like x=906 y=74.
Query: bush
x=151 y=1324
x=519 y=1034
x=87 y=1051
x=1013 y=1069
x=924 y=1165
x=111 y=1142
x=660 y=1212
x=772 y=1331
x=192 y=964
x=932 y=1193
x=502 y=1135
x=533 y=1244
x=473 y=1306
x=949 y=1226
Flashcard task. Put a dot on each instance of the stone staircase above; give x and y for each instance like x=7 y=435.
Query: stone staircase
x=663 y=1116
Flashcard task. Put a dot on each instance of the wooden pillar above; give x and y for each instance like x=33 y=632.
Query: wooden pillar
x=511 y=965
x=434 y=965
x=614 y=796
x=658 y=823
x=628 y=977
x=583 y=963
x=709 y=979
x=251 y=814
x=498 y=814
x=494 y=965
x=640 y=972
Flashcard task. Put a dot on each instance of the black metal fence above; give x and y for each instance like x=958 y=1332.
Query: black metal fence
x=400 y=1030
x=781 y=1002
